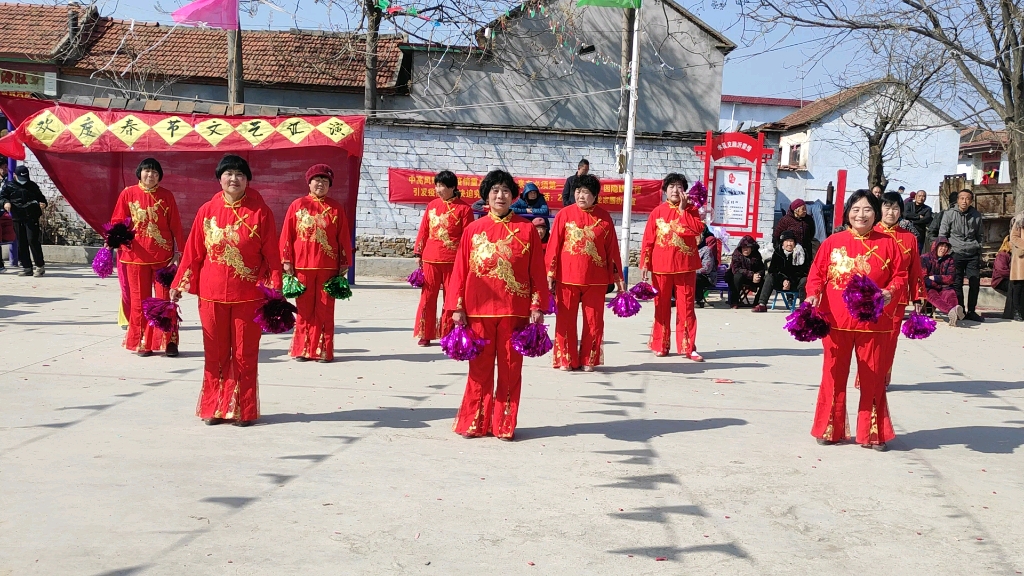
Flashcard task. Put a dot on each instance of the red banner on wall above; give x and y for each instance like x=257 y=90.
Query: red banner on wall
x=417 y=187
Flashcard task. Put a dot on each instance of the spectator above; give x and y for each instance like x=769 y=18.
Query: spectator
x=933 y=230
x=23 y=199
x=962 y=225
x=876 y=190
x=800 y=223
x=901 y=191
x=531 y=203
x=707 y=276
x=920 y=215
x=787 y=271
x=569 y=191
x=480 y=208
x=939 y=272
x=1015 y=295
x=745 y=271
x=7 y=234
x=541 y=224
x=1001 y=268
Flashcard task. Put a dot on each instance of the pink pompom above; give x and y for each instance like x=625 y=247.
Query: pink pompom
x=161 y=314
x=918 y=326
x=416 y=279
x=643 y=291
x=462 y=344
x=698 y=194
x=532 y=341
x=806 y=324
x=118 y=235
x=552 y=305
x=103 y=263
x=864 y=299
x=165 y=275
x=276 y=315
x=624 y=305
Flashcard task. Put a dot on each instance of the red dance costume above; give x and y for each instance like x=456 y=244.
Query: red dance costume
x=315 y=239
x=231 y=249
x=437 y=245
x=498 y=279
x=583 y=259
x=669 y=251
x=157 y=227
x=840 y=257
x=914 y=291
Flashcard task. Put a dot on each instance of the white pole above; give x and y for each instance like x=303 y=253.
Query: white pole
x=627 y=197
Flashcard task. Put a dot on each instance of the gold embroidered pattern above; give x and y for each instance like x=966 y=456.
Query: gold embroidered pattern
x=222 y=247
x=843 y=267
x=491 y=260
x=145 y=221
x=439 y=229
x=186 y=281
x=670 y=234
x=582 y=241
x=313 y=227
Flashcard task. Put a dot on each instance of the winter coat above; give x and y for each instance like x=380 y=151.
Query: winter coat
x=920 y=216
x=802 y=228
x=7 y=232
x=746 y=266
x=569 y=191
x=786 y=265
x=938 y=272
x=536 y=209
x=964 y=230
x=1017 y=248
x=1000 y=268
x=25 y=200
x=708 y=264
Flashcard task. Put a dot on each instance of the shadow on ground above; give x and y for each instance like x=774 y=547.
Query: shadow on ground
x=638 y=430
x=377 y=418
x=985 y=439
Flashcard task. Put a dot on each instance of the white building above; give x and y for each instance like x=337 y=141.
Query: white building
x=826 y=136
x=983 y=156
x=741 y=113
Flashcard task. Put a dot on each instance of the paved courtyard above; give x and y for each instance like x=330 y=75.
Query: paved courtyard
x=650 y=466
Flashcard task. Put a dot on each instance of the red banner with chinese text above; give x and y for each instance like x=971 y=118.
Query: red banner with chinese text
x=407 y=186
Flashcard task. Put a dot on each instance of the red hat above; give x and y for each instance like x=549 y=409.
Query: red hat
x=796 y=204
x=320 y=170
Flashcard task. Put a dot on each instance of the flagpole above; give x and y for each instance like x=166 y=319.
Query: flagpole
x=627 y=198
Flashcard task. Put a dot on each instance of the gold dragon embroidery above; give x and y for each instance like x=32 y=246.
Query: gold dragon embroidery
x=842 y=267
x=670 y=234
x=581 y=240
x=146 y=222
x=222 y=246
x=491 y=260
x=313 y=227
x=439 y=229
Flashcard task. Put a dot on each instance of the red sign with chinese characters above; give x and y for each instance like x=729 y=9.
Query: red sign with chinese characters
x=417 y=187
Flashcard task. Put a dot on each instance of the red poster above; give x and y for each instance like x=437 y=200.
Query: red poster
x=417 y=187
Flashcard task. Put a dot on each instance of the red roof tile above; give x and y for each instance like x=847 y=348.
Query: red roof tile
x=31 y=31
x=819 y=108
x=764 y=101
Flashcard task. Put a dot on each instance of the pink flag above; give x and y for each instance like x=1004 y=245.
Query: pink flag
x=221 y=14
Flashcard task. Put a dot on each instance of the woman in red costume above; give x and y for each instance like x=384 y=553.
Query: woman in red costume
x=669 y=254
x=857 y=250
x=315 y=247
x=231 y=250
x=496 y=288
x=158 y=241
x=583 y=259
x=892 y=213
x=436 y=246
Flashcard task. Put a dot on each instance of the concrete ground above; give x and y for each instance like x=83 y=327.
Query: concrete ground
x=650 y=466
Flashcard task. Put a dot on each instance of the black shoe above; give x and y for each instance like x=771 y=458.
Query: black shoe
x=213 y=421
x=700 y=304
x=146 y=353
x=301 y=359
x=324 y=361
x=974 y=317
x=823 y=442
x=25 y=272
x=172 y=350
x=243 y=423
x=1018 y=318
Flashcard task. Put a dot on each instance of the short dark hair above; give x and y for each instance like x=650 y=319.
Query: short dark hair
x=971 y=192
x=494 y=178
x=583 y=162
x=233 y=162
x=674 y=178
x=448 y=179
x=590 y=182
x=149 y=164
x=893 y=198
x=875 y=203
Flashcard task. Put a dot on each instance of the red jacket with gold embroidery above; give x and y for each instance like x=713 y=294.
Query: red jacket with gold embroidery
x=583 y=249
x=232 y=247
x=156 y=223
x=315 y=235
x=670 y=240
x=499 y=269
x=845 y=254
x=907 y=242
x=441 y=229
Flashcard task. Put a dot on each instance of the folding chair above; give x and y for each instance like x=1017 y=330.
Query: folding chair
x=788 y=298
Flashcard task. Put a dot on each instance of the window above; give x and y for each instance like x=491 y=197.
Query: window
x=794 y=155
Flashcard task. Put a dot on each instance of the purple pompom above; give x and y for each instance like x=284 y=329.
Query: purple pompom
x=103 y=263
x=643 y=291
x=120 y=234
x=552 y=305
x=532 y=341
x=462 y=344
x=624 y=305
x=864 y=299
x=918 y=326
x=161 y=314
x=276 y=315
x=806 y=324
x=165 y=275
x=698 y=194
x=416 y=279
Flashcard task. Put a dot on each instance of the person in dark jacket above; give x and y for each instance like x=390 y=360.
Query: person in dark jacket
x=800 y=223
x=787 y=271
x=710 y=256
x=939 y=271
x=962 y=225
x=532 y=203
x=23 y=199
x=569 y=190
x=920 y=215
x=745 y=271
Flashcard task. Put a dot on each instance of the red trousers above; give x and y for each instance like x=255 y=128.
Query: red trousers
x=889 y=357
x=830 y=419
x=231 y=346
x=435 y=279
x=683 y=285
x=141 y=336
x=486 y=409
x=569 y=350
x=126 y=296
x=314 y=324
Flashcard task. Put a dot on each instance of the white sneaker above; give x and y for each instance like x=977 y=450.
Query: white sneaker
x=956 y=314
x=39 y=271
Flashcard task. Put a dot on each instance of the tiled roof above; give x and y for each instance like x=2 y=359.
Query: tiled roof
x=823 y=106
x=306 y=58
x=31 y=31
x=763 y=101
x=977 y=138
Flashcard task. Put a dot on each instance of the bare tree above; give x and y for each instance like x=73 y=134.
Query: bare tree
x=984 y=40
